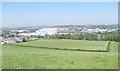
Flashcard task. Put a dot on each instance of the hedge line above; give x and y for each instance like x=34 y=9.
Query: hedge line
x=108 y=46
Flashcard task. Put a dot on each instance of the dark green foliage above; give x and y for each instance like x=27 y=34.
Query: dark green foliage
x=24 y=40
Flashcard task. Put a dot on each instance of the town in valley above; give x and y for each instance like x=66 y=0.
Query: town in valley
x=90 y=32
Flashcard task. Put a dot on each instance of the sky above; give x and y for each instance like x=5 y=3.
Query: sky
x=0 y=14
x=59 y=0
x=23 y=14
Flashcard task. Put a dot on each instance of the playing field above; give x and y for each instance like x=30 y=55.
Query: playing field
x=38 y=58
x=69 y=44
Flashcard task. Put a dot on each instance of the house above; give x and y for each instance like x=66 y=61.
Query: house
x=11 y=40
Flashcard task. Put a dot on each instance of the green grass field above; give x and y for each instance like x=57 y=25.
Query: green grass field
x=0 y=57
x=17 y=57
x=0 y=62
x=69 y=44
x=114 y=47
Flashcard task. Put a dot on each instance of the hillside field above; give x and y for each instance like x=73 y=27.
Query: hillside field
x=69 y=44
x=17 y=57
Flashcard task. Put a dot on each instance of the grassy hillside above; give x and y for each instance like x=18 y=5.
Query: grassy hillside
x=37 y=58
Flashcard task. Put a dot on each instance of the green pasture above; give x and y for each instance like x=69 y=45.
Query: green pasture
x=17 y=57
x=114 y=47
x=69 y=44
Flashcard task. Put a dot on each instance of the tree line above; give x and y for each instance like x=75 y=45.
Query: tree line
x=106 y=36
x=112 y=36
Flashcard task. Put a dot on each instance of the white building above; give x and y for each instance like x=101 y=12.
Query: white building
x=28 y=34
x=20 y=31
x=47 y=31
x=24 y=34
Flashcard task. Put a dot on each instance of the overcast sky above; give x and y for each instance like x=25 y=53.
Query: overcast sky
x=18 y=14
